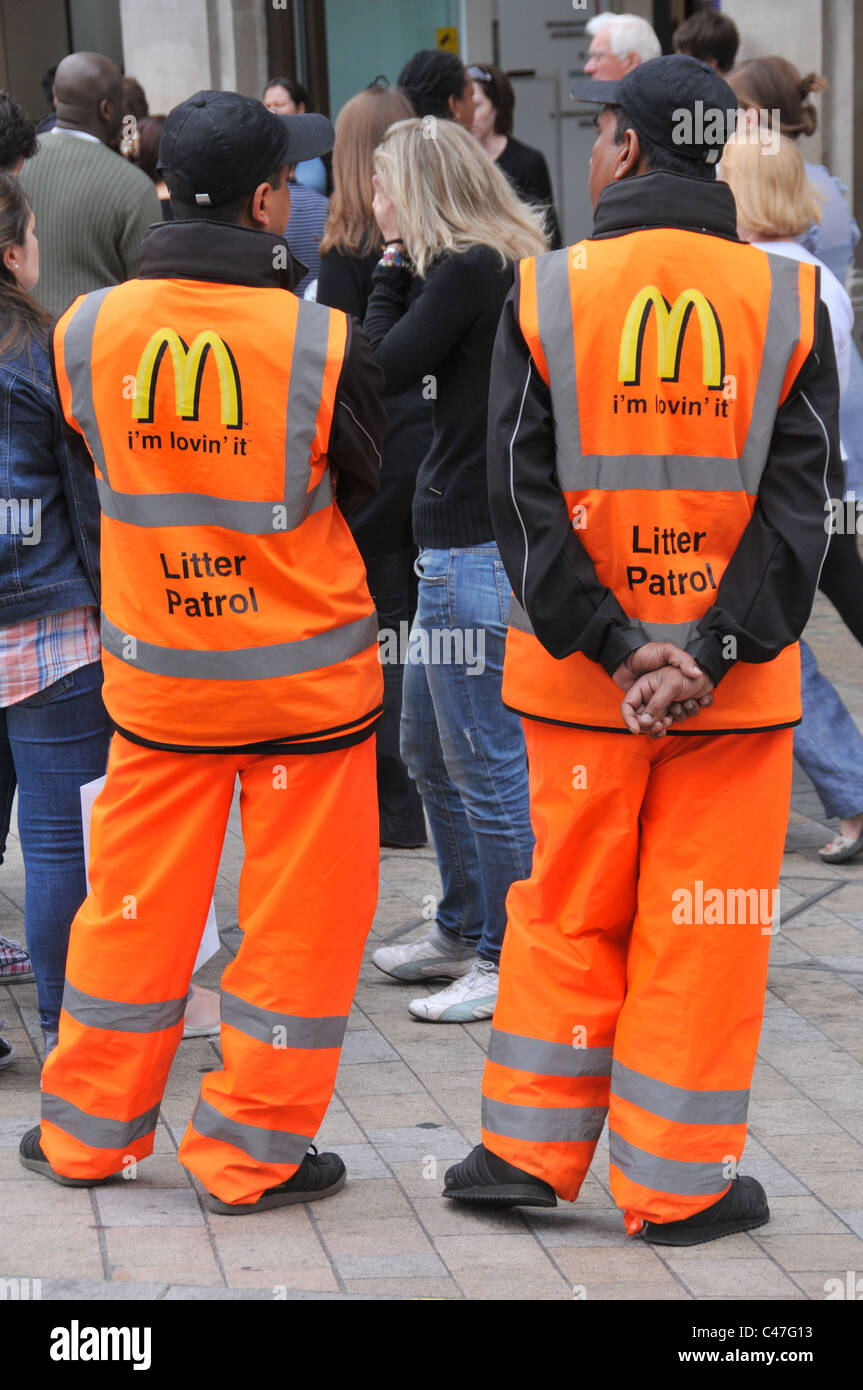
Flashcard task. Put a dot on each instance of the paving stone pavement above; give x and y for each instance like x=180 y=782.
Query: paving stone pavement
x=407 y=1103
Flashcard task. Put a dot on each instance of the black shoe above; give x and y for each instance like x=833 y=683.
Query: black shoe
x=319 y=1175
x=6 y=1053
x=483 y=1177
x=31 y=1156
x=741 y=1208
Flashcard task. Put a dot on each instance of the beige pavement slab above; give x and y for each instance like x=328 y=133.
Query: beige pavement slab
x=828 y=1252
x=513 y=1282
x=150 y=1254
x=715 y=1276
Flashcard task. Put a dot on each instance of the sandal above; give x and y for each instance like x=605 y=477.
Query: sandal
x=840 y=850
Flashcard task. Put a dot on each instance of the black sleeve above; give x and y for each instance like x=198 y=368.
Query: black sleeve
x=359 y=423
x=551 y=573
x=340 y=284
x=411 y=341
x=766 y=592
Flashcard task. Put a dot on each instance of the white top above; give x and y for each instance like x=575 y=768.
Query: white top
x=833 y=295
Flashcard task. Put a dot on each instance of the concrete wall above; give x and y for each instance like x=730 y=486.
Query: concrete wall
x=177 y=47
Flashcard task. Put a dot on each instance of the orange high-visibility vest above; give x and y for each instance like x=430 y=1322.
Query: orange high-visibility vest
x=666 y=371
x=235 y=609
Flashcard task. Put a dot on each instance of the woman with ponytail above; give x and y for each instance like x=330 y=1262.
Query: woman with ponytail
x=773 y=84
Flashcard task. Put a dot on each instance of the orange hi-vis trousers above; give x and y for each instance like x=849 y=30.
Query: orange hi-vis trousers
x=308 y=891
x=634 y=963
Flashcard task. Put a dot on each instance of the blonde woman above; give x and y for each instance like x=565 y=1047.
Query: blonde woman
x=381 y=526
x=776 y=203
x=453 y=229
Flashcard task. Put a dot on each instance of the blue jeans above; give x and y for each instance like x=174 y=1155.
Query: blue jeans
x=53 y=742
x=463 y=749
x=827 y=744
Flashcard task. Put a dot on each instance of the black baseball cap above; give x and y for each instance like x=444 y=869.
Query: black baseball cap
x=676 y=101
x=223 y=145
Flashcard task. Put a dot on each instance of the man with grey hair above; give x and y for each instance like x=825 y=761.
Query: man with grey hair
x=619 y=42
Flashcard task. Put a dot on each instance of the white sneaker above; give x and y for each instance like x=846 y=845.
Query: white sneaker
x=433 y=958
x=471 y=997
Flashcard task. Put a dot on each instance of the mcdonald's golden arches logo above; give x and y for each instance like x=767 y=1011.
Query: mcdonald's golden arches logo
x=188 y=365
x=671 y=325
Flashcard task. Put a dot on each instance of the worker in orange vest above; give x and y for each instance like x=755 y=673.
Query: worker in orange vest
x=663 y=435
x=226 y=420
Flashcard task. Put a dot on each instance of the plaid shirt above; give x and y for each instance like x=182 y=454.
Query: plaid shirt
x=36 y=653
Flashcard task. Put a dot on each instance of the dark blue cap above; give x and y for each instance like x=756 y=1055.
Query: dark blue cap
x=675 y=101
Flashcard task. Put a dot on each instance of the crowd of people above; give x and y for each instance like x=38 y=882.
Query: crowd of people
x=439 y=474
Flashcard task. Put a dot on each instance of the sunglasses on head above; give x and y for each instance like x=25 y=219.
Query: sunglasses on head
x=477 y=74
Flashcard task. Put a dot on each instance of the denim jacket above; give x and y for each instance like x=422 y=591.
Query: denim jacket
x=49 y=505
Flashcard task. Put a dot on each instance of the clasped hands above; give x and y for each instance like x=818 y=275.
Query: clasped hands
x=663 y=686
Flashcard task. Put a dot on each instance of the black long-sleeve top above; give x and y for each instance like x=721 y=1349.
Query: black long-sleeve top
x=765 y=595
x=443 y=338
x=527 y=171
x=382 y=525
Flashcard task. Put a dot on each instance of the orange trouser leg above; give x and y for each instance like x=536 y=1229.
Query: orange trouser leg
x=712 y=834
x=563 y=967
x=307 y=897
x=156 y=837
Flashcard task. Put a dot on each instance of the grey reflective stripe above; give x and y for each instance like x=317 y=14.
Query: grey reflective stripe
x=780 y=339
x=554 y=316
x=308 y=363
x=78 y=361
x=298 y=1032
x=197 y=509
x=266 y=1145
x=122 y=1017
x=657 y=473
x=571 y=1123
x=243 y=663
x=518 y=618
x=97 y=1130
x=666 y=1174
x=547 y=1058
x=677 y=1103
x=679 y=633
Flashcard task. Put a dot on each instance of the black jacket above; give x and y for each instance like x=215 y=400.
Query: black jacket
x=765 y=595
x=382 y=526
x=201 y=250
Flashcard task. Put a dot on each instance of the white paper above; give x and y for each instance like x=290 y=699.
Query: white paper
x=210 y=939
